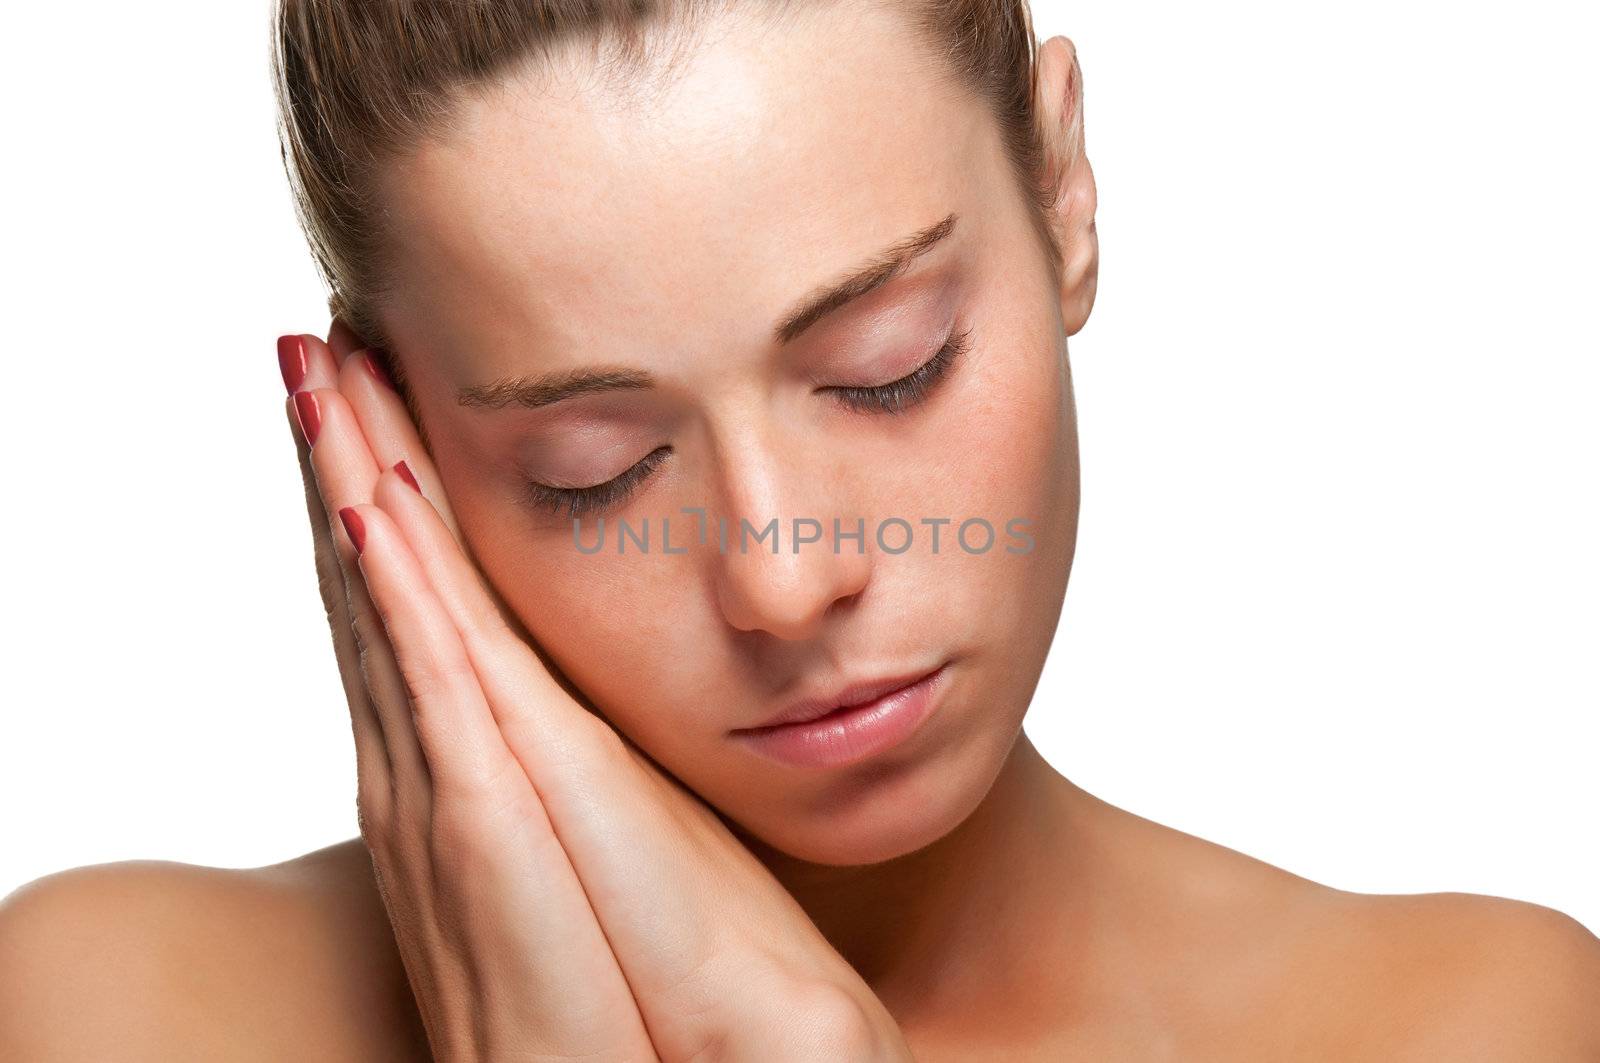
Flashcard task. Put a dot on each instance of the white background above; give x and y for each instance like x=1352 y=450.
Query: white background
x=1335 y=600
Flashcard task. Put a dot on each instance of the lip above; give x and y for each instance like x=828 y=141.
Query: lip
x=863 y=720
x=857 y=693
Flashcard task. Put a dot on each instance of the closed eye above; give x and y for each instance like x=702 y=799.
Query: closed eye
x=579 y=500
x=899 y=395
x=896 y=396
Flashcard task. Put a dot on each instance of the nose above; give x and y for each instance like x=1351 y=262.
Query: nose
x=782 y=570
x=788 y=593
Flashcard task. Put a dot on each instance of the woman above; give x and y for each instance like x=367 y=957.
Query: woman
x=693 y=371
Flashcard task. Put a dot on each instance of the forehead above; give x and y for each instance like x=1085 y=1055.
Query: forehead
x=563 y=215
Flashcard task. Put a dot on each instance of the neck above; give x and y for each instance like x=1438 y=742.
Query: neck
x=915 y=925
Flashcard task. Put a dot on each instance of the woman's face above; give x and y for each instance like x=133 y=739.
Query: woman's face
x=666 y=237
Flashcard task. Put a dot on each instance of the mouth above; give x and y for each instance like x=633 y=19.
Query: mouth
x=863 y=720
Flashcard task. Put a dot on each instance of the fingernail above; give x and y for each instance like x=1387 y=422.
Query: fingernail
x=292 y=361
x=405 y=474
x=305 y=408
x=376 y=369
x=353 y=527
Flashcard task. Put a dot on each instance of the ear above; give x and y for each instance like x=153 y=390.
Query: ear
x=1059 y=107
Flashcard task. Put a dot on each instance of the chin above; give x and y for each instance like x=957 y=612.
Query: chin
x=885 y=811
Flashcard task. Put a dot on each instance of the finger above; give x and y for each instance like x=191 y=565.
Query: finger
x=342 y=339
x=365 y=374
x=345 y=473
x=463 y=748
x=372 y=755
x=392 y=432
x=387 y=423
x=623 y=828
x=610 y=815
x=491 y=827
x=588 y=1002
x=306 y=362
x=539 y=714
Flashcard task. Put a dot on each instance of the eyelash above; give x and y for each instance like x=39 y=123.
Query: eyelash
x=896 y=396
x=579 y=500
x=900 y=395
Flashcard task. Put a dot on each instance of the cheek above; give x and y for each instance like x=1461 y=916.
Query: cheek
x=1014 y=412
x=613 y=625
x=600 y=623
x=1019 y=461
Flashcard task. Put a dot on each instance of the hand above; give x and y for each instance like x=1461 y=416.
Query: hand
x=502 y=950
x=553 y=891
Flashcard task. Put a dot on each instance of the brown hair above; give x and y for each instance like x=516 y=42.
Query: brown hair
x=360 y=83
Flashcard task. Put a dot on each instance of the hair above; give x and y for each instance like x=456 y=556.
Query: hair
x=361 y=83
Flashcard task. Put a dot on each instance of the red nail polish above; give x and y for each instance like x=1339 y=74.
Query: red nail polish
x=305 y=408
x=292 y=361
x=375 y=367
x=353 y=527
x=405 y=474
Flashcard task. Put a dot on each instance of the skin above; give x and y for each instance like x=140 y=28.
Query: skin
x=677 y=650
x=996 y=909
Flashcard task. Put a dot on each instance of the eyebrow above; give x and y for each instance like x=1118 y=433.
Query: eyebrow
x=535 y=391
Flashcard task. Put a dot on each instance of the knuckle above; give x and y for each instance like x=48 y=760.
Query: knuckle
x=370 y=643
x=429 y=680
x=373 y=816
x=330 y=586
x=372 y=802
x=364 y=646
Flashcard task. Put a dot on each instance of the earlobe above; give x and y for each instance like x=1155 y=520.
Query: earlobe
x=1080 y=271
x=1059 y=106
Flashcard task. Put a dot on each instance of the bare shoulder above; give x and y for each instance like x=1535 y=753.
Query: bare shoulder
x=147 y=959
x=1458 y=976
x=1279 y=966
x=1425 y=976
